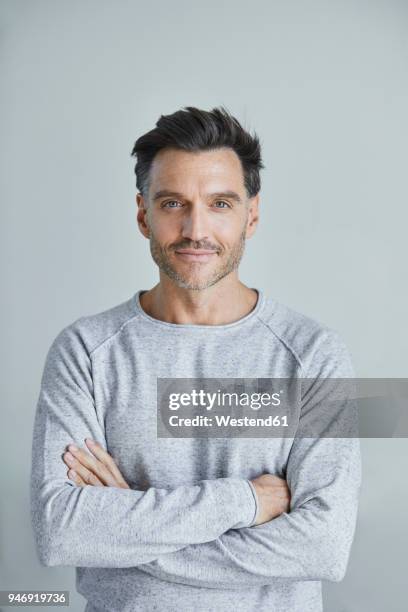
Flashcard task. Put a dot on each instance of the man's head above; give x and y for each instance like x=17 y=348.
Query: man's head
x=198 y=177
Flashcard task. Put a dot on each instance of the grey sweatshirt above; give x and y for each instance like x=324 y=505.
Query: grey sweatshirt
x=183 y=536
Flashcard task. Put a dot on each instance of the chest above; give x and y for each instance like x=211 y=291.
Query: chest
x=125 y=383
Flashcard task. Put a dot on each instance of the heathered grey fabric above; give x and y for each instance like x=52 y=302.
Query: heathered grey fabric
x=181 y=537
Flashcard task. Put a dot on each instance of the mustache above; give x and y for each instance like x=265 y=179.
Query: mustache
x=194 y=245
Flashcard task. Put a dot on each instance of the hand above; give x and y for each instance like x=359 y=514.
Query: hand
x=273 y=497
x=98 y=469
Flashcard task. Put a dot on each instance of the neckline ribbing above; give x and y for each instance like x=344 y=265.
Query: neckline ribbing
x=251 y=315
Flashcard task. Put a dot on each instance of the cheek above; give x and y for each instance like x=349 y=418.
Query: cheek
x=227 y=230
x=165 y=230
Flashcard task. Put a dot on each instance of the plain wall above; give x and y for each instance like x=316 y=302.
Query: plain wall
x=325 y=86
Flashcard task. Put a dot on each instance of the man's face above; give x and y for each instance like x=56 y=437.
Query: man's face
x=197 y=202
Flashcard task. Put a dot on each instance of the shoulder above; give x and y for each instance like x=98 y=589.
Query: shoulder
x=90 y=332
x=319 y=349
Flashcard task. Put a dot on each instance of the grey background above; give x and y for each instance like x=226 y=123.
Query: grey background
x=325 y=86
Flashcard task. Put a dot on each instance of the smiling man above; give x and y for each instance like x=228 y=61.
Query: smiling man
x=164 y=523
x=198 y=218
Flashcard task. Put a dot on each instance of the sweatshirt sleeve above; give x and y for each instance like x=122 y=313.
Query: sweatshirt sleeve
x=310 y=542
x=107 y=526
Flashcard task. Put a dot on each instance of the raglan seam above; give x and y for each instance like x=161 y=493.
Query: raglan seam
x=115 y=333
x=285 y=343
x=136 y=315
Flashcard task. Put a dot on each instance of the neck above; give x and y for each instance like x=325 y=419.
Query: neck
x=225 y=302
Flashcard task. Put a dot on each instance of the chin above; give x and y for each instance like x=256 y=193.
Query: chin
x=192 y=282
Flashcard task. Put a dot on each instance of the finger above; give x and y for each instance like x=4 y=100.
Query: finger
x=102 y=455
x=76 y=479
x=88 y=461
x=72 y=475
x=87 y=476
x=81 y=474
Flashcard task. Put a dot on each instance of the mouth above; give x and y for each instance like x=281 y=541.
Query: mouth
x=195 y=255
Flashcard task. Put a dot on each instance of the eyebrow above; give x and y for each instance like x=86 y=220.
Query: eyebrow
x=164 y=193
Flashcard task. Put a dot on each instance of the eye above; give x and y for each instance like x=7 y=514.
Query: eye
x=170 y=202
x=222 y=202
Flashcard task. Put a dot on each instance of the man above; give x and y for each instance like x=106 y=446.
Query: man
x=155 y=523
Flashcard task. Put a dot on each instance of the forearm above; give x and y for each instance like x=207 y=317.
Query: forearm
x=113 y=527
x=256 y=556
x=312 y=542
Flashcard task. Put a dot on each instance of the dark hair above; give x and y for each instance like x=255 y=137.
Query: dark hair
x=193 y=129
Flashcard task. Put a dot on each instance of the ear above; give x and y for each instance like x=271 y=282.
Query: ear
x=142 y=215
x=253 y=215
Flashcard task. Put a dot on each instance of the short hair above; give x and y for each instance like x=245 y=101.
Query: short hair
x=193 y=129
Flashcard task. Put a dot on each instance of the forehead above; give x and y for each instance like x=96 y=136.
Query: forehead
x=180 y=170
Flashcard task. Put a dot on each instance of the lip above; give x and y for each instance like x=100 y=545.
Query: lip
x=195 y=255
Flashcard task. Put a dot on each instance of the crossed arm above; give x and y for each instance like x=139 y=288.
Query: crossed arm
x=111 y=526
x=198 y=535
x=311 y=542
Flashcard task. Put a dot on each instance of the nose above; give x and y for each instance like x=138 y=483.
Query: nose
x=195 y=224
